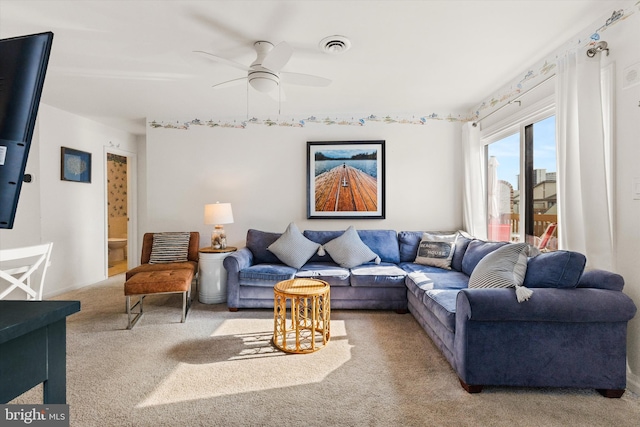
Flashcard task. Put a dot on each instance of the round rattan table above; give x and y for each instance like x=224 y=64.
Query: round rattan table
x=307 y=327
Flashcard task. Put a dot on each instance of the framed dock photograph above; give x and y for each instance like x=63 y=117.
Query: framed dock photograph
x=345 y=179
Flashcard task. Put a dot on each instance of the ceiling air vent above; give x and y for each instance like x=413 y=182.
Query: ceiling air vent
x=335 y=44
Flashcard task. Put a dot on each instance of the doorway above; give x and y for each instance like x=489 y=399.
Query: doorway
x=120 y=210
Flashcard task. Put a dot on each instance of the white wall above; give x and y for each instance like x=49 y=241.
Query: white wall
x=69 y=214
x=624 y=43
x=261 y=171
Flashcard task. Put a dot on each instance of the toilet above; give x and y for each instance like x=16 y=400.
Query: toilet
x=117 y=247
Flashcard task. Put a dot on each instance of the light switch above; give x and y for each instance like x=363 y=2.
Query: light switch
x=636 y=188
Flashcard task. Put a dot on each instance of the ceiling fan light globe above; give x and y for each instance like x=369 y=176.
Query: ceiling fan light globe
x=263 y=81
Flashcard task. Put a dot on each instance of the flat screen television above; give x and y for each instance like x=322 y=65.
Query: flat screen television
x=23 y=65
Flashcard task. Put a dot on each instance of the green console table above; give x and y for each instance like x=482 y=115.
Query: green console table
x=33 y=348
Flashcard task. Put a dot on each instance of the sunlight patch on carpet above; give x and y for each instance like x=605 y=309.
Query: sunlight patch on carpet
x=240 y=358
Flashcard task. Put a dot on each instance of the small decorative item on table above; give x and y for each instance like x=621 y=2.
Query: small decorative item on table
x=308 y=328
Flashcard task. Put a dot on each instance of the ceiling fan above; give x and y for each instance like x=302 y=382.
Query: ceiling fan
x=265 y=73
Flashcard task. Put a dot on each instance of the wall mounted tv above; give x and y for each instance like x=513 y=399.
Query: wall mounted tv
x=23 y=65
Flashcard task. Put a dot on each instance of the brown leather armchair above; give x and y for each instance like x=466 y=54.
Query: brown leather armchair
x=161 y=278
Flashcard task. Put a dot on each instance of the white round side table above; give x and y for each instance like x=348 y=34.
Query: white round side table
x=212 y=276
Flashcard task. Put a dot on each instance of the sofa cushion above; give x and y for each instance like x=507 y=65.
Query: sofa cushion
x=462 y=243
x=265 y=274
x=442 y=303
x=169 y=247
x=476 y=250
x=559 y=269
x=383 y=242
x=436 y=250
x=442 y=279
x=383 y=275
x=292 y=248
x=408 y=242
x=327 y=271
x=258 y=242
x=348 y=250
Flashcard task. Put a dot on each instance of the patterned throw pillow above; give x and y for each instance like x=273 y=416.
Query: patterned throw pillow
x=293 y=248
x=169 y=247
x=348 y=250
x=436 y=250
x=503 y=268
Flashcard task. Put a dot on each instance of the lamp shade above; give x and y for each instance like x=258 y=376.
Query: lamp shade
x=218 y=213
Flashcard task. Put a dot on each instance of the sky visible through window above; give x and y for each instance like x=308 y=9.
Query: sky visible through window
x=507 y=151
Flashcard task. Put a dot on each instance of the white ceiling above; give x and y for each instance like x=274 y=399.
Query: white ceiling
x=129 y=62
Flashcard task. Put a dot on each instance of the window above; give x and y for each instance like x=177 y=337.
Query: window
x=521 y=182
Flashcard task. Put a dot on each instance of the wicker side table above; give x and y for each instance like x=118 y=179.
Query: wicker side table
x=307 y=329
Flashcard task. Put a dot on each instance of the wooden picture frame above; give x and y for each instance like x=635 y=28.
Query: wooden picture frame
x=345 y=179
x=75 y=165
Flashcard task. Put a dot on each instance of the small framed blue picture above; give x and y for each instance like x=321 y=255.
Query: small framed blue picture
x=75 y=165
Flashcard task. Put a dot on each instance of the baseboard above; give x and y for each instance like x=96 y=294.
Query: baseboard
x=633 y=382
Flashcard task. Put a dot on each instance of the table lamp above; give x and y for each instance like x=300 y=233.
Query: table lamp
x=218 y=214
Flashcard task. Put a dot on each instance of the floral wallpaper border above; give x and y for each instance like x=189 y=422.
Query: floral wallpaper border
x=531 y=77
x=546 y=68
x=299 y=123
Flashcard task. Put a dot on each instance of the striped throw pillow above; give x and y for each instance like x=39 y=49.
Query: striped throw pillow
x=169 y=247
x=503 y=268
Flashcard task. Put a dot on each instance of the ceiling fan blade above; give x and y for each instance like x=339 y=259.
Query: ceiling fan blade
x=304 y=79
x=229 y=83
x=278 y=57
x=222 y=60
x=205 y=19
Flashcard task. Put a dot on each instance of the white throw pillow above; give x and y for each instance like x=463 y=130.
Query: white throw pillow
x=293 y=248
x=349 y=251
x=436 y=250
x=503 y=268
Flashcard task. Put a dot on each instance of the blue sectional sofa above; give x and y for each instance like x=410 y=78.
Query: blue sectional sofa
x=571 y=332
x=253 y=270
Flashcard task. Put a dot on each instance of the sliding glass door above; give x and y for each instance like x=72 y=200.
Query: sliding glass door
x=521 y=184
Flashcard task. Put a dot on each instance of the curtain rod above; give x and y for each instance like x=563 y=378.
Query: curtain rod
x=512 y=101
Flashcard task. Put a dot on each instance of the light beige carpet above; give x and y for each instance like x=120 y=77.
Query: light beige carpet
x=220 y=369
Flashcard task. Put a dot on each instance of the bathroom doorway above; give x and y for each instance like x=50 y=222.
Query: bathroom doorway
x=120 y=209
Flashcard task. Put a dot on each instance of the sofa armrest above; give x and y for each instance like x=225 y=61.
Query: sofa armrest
x=545 y=305
x=238 y=260
x=558 y=338
x=601 y=279
x=233 y=263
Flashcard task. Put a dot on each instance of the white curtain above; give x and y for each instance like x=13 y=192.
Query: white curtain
x=583 y=200
x=474 y=189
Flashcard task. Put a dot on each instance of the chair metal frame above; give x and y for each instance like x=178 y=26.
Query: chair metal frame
x=186 y=304
x=40 y=257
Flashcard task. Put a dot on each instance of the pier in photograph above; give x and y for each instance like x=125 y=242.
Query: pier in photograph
x=345 y=188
